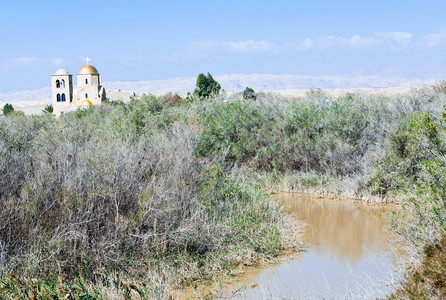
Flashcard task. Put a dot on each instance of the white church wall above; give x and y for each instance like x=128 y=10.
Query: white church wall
x=115 y=95
x=91 y=80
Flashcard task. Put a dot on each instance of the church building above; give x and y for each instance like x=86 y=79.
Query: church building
x=88 y=91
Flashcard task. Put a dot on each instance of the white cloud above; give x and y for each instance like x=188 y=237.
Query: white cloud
x=26 y=60
x=308 y=43
x=402 y=38
x=20 y=62
x=132 y=59
x=396 y=40
x=239 y=47
x=435 y=39
x=58 y=62
x=385 y=41
x=23 y=60
x=29 y=61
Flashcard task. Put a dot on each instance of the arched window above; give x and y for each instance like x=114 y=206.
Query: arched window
x=62 y=83
x=63 y=98
x=86 y=95
x=86 y=81
x=57 y=83
x=58 y=97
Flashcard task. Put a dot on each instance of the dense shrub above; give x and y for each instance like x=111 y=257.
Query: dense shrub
x=324 y=136
x=121 y=186
x=237 y=131
x=143 y=187
x=414 y=141
x=172 y=99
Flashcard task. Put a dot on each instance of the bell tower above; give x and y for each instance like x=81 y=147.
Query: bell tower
x=62 y=91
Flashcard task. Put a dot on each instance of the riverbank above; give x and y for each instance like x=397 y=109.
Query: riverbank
x=349 y=247
x=153 y=195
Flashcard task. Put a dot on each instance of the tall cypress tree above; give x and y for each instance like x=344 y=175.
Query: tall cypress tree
x=206 y=86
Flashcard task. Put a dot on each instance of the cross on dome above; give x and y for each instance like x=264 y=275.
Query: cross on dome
x=87 y=59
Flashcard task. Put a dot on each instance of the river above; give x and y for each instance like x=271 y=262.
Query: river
x=350 y=254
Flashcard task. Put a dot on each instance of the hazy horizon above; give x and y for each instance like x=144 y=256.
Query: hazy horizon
x=286 y=83
x=145 y=40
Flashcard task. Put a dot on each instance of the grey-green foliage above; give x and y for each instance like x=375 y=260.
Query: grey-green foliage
x=322 y=135
x=347 y=136
x=413 y=140
x=428 y=204
x=418 y=164
x=121 y=185
x=440 y=87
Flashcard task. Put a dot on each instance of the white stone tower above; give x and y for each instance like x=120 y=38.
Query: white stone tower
x=62 y=90
x=89 y=90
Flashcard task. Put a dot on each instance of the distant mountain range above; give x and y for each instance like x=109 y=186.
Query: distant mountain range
x=230 y=83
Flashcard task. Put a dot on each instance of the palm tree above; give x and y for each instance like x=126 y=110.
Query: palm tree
x=48 y=109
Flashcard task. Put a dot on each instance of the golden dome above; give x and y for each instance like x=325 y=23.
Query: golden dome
x=86 y=103
x=88 y=70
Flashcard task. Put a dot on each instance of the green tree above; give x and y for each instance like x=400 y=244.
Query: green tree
x=206 y=86
x=48 y=109
x=8 y=109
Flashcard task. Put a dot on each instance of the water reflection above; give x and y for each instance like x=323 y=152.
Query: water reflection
x=340 y=229
x=349 y=254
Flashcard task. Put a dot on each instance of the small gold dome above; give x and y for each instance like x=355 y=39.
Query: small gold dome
x=86 y=103
x=88 y=70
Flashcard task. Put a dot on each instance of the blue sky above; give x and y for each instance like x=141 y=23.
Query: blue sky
x=146 y=40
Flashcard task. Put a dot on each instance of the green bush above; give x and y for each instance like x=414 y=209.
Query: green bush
x=237 y=131
x=148 y=183
x=326 y=137
x=414 y=141
x=8 y=109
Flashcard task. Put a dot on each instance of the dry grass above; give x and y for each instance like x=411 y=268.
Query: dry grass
x=121 y=187
x=165 y=193
x=426 y=280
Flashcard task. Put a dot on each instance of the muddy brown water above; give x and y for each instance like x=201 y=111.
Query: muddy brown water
x=350 y=253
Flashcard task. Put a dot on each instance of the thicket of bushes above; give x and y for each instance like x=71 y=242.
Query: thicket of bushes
x=318 y=135
x=157 y=186
x=349 y=136
x=119 y=188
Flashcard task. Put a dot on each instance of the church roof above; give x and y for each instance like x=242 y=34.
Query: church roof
x=88 y=70
x=61 y=72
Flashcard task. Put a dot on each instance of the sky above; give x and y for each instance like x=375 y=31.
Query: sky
x=148 y=40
